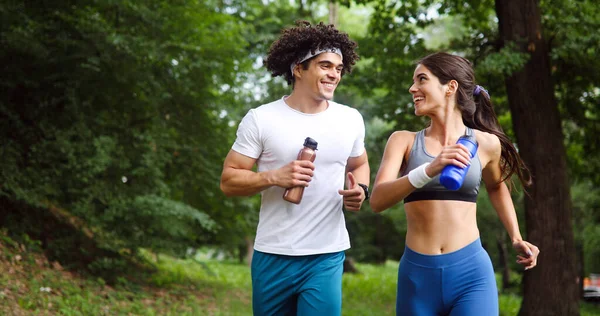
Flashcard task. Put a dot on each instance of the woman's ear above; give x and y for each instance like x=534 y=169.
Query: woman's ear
x=452 y=87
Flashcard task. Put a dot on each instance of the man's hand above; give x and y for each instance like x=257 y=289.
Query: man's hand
x=354 y=195
x=295 y=173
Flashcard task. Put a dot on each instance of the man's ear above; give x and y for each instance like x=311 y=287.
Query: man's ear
x=297 y=73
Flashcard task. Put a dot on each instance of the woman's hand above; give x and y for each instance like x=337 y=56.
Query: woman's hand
x=527 y=253
x=456 y=154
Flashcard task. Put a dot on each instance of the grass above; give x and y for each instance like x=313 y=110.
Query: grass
x=372 y=292
x=30 y=285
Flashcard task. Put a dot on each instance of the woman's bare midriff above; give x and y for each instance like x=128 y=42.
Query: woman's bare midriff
x=438 y=227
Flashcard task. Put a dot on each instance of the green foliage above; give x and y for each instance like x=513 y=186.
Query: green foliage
x=104 y=268
x=509 y=304
x=113 y=110
x=504 y=62
x=443 y=31
x=586 y=222
x=375 y=237
x=152 y=222
x=389 y=53
x=121 y=112
x=572 y=27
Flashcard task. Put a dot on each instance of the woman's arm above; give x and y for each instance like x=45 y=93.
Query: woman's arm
x=388 y=189
x=502 y=202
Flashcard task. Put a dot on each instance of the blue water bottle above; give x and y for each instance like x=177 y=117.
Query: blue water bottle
x=452 y=176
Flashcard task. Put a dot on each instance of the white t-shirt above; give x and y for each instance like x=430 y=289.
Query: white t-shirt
x=273 y=134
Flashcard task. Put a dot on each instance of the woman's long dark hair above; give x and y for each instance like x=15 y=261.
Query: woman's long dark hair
x=477 y=110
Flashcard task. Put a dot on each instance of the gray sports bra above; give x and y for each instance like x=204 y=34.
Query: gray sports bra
x=434 y=190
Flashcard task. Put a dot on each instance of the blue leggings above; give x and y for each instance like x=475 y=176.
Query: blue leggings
x=457 y=283
x=297 y=285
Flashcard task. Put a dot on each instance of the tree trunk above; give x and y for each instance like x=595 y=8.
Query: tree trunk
x=503 y=257
x=580 y=270
x=550 y=288
x=333 y=12
x=350 y=266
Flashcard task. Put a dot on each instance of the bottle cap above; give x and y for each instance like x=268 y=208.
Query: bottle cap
x=310 y=143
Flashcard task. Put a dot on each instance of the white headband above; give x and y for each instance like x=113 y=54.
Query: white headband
x=310 y=55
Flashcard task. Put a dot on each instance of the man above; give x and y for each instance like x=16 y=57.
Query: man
x=299 y=248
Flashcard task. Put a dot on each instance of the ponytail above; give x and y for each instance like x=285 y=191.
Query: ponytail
x=484 y=118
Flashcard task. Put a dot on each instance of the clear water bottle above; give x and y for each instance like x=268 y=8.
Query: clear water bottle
x=452 y=176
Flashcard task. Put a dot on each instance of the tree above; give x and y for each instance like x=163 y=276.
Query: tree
x=111 y=113
x=537 y=126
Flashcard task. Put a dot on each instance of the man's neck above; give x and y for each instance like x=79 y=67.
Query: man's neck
x=306 y=104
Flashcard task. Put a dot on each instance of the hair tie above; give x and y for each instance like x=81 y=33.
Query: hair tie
x=478 y=90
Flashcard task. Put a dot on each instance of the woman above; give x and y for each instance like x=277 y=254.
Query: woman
x=444 y=269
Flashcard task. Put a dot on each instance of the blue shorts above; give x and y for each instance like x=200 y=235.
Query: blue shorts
x=457 y=283
x=297 y=285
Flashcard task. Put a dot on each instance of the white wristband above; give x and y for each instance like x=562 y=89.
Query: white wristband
x=418 y=177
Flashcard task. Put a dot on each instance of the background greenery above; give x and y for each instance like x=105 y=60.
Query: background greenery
x=116 y=117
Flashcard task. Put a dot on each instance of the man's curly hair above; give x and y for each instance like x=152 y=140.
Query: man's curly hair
x=295 y=42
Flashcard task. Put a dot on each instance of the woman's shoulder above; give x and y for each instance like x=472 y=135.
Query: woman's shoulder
x=488 y=143
x=402 y=136
x=400 y=141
